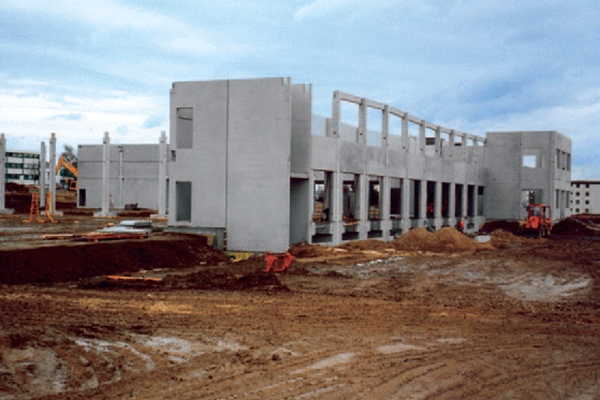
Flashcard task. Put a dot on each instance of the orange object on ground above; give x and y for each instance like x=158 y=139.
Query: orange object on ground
x=273 y=261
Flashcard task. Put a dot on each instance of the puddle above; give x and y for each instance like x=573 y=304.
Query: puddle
x=451 y=340
x=545 y=288
x=327 y=363
x=397 y=348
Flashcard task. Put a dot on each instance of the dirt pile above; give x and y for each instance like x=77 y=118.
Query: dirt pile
x=508 y=226
x=446 y=240
x=371 y=244
x=71 y=262
x=575 y=227
x=304 y=250
x=226 y=279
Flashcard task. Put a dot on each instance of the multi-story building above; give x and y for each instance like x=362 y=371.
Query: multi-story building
x=250 y=163
x=527 y=167
x=585 y=197
x=22 y=167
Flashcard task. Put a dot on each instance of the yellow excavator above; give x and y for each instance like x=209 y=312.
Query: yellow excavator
x=71 y=183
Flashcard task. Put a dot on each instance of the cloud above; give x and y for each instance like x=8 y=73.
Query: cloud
x=319 y=8
x=154 y=121
x=170 y=33
x=67 y=117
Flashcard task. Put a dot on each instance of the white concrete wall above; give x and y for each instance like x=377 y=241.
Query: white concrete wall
x=134 y=180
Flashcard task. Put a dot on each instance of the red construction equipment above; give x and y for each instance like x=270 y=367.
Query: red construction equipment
x=539 y=220
x=273 y=261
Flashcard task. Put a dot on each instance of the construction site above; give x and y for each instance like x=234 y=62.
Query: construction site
x=439 y=265
x=165 y=315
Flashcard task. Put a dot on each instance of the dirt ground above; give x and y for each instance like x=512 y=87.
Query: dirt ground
x=423 y=317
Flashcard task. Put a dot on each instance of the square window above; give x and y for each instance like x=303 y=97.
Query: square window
x=530 y=161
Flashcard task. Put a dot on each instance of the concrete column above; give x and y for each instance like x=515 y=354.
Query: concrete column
x=465 y=201
x=52 y=167
x=438 y=141
x=385 y=126
x=405 y=144
x=452 y=140
x=452 y=204
x=384 y=203
x=422 y=202
x=121 y=179
x=162 y=175
x=406 y=205
x=336 y=114
x=336 y=208
x=2 y=173
x=106 y=176
x=463 y=147
x=362 y=122
x=43 y=174
x=362 y=201
x=437 y=209
x=421 y=144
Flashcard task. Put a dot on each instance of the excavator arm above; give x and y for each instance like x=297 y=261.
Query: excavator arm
x=62 y=162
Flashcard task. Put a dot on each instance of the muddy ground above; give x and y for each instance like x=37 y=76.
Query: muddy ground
x=425 y=317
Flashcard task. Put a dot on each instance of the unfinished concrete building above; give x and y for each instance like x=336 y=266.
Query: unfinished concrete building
x=250 y=163
x=531 y=166
x=246 y=164
x=134 y=175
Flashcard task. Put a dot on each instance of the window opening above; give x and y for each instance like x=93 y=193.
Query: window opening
x=374 y=127
x=350 y=206
x=395 y=198
x=322 y=196
x=185 y=128
x=183 y=194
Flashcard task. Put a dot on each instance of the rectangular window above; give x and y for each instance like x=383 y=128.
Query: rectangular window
x=395 y=197
x=529 y=161
x=183 y=198
x=81 y=197
x=185 y=128
x=533 y=196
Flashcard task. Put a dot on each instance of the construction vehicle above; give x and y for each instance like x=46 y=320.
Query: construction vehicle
x=71 y=184
x=539 y=220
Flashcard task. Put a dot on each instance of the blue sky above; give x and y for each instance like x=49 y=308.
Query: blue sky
x=79 y=68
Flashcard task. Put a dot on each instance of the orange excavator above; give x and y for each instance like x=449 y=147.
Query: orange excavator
x=71 y=183
x=539 y=220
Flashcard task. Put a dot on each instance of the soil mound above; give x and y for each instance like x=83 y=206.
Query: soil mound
x=507 y=226
x=500 y=235
x=226 y=279
x=446 y=240
x=574 y=227
x=371 y=244
x=67 y=263
x=304 y=250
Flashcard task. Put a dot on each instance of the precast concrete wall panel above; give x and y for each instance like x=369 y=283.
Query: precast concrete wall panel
x=137 y=165
x=415 y=166
x=301 y=129
x=352 y=157
x=396 y=166
x=204 y=164
x=258 y=165
x=324 y=153
x=376 y=160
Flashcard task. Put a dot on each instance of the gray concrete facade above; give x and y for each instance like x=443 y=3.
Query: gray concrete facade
x=532 y=166
x=244 y=161
x=133 y=171
x=250 y=163
x=230 y=160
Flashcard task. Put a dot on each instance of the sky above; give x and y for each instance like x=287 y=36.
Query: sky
x=80 y=68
